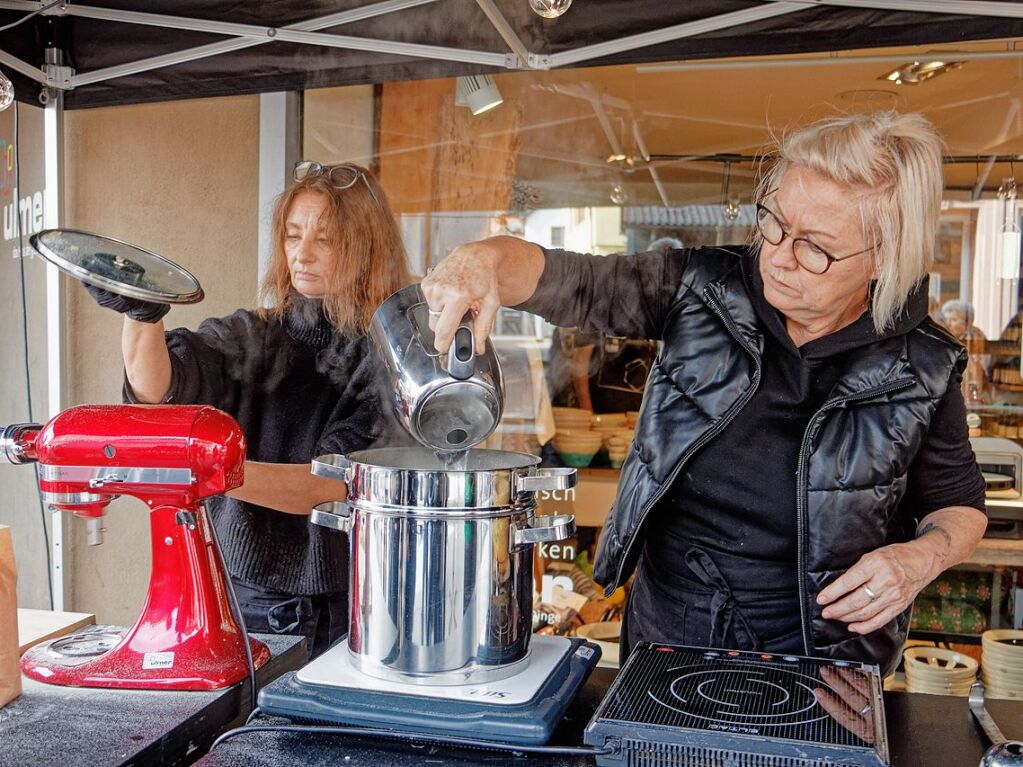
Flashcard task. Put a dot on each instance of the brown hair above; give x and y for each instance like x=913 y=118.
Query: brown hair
x=370 y=261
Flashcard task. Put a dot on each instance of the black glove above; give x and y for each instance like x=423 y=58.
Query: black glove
x=134 y=308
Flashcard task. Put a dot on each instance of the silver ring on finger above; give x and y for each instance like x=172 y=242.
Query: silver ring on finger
x=435 y=312
x=870 y=593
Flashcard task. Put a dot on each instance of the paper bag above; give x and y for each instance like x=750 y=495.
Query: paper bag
x=10 y=670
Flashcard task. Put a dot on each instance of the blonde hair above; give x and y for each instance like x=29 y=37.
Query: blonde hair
x=370 y=261
x=897 y=157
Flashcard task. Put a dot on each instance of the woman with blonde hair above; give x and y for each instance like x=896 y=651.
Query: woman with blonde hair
x=801 y=467
x=299 y=377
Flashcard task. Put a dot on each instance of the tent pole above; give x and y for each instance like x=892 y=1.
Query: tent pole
x=504 y=29
x=280 y=146
x=13 y=62
x=226 y=46
x=822 y=61
x=677 y=32
x=53 y=217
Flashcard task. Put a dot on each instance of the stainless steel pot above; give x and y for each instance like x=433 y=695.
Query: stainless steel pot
x=446 y=404
x=441 y=585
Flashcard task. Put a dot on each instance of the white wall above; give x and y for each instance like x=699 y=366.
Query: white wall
x=181 y=179
x=540 y=222
x=338 y=124
x=19 y=500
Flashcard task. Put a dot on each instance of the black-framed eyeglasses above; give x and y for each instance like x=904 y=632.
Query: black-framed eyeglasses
x=342 y=175
x=807 y=253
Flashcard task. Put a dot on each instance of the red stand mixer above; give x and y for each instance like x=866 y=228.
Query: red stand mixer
x=171 y=458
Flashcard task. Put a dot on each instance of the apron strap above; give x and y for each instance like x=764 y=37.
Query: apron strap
x=729 y=624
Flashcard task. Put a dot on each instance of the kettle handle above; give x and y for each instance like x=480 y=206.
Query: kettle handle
x=462 y=354
x=545 y=529
x=334 y=515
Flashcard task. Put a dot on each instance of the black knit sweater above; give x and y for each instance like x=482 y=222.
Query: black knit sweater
x=298 y=389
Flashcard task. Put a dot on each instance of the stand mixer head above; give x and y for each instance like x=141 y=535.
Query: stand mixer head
x=171 y=458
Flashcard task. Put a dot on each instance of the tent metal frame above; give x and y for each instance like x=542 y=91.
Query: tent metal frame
x=519 y=57
x=60 y=79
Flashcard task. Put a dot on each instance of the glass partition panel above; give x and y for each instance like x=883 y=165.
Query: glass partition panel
x=619 y=159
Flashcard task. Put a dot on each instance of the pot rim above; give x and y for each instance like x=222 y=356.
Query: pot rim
x=365 y=459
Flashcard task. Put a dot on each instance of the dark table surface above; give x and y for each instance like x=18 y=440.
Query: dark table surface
x=69 y=726
x=923 y=731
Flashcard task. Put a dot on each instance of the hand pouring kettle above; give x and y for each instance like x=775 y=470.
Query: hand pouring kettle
x=447 y=403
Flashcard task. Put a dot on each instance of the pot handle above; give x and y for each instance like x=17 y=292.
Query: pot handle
x=332 y=466
x=548 y=479
x=334 y=515
x=545 y=529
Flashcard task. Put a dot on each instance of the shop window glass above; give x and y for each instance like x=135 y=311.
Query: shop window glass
x=614 y=159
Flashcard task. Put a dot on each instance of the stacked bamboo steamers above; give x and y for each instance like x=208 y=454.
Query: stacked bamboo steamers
x=1002 y=663
x=938 y=671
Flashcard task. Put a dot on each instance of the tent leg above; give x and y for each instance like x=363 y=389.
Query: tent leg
x=53 y=217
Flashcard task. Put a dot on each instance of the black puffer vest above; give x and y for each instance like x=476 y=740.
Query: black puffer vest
x=854 y=456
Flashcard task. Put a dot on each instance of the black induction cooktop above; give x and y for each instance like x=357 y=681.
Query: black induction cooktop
x=673 y=706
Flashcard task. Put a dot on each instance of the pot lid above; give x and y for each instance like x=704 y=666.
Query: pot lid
x=117 y=266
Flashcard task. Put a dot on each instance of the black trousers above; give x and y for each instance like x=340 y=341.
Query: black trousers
x=698 y=605
x=321 y=619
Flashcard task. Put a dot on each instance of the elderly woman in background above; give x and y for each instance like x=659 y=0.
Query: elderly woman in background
x=957 y=316
x=299 y=377
x=801 y=467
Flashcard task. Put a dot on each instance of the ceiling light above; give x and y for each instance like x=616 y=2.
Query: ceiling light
x=6 y=92
x=619 y=195
x=917 y=72
x=478 y=92
x=549 y=9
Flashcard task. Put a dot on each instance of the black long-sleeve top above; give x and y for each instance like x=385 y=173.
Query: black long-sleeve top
x=298 y=389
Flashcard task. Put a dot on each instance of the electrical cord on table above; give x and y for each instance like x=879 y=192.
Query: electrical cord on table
x=236 y=607
x=394 y=735
x=24 y=333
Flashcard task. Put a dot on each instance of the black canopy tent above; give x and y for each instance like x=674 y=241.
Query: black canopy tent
x=115 y=52
x=128 y=51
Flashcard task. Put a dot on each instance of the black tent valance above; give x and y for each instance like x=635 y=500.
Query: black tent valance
x=129 y=51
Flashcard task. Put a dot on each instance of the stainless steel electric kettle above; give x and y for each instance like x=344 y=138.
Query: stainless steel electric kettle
x=448 y=404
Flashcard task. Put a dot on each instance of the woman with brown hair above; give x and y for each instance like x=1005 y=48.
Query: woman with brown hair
x=299 y=377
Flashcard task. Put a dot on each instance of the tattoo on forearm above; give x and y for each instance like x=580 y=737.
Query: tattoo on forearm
x=930 y=527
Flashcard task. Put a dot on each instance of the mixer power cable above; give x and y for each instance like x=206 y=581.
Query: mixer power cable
x=368 y=732
x=236 y=607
